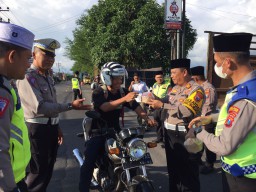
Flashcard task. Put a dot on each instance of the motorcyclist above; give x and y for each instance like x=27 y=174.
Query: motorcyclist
x=108 y=103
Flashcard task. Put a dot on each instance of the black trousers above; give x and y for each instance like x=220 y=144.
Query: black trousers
x=160 y=127
x=143 y=106
x=94 y=148
x=237 y=184
x=210 y=156
x=183 y=168
x=44 y=147
x=77 y=94
x=22 y=186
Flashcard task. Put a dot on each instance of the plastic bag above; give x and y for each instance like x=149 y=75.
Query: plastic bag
x=147 y=96
x=193 y=145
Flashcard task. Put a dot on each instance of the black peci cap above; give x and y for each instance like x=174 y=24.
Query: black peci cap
x=180 y=63
x=159 y=73
x=136 y=74
x=198 y=70
x=232 y=42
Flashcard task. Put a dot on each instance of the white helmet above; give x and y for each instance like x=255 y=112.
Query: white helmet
x=111 y=69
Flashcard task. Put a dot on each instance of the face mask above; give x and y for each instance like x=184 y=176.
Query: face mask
x=218 y=71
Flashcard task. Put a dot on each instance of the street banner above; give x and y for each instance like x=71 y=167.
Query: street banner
x=173 y=14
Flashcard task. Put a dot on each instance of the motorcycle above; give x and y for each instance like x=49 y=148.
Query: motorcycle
x=123 y=165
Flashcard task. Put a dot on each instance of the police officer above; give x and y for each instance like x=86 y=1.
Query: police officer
x=76 y=86
x=183 y=103
x=159 y=89
x=209 y=107
x=235 y=135
x=38 y=97
x=15 y=51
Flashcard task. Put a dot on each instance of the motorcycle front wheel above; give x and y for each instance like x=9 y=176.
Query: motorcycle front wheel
x=141 y=184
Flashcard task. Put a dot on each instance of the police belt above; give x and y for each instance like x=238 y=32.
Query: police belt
x=44 y=120
x=172 y=127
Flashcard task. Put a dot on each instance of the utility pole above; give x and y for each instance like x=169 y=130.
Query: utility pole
x=173 y=45
x=184 y=28
x=1 y=19
x=58 y=66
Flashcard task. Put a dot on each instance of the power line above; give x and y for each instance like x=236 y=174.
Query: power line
x=50 y=32
x=1 y=11
x=4 y=3
x=207 y=11
x=222 y=11
x=56 y=24
x=16 y=18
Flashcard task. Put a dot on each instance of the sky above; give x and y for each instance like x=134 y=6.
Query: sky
x=57 y=19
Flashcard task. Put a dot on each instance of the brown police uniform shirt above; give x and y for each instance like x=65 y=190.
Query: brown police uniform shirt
x=184 y=103
x=7 y=182
x=233 y=135
x=38 y=95
x=211 y=99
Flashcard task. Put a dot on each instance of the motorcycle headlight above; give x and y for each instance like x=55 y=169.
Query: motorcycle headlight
x=137 y=148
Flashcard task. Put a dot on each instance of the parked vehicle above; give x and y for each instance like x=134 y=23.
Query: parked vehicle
x=87 y=80
x=125 y=158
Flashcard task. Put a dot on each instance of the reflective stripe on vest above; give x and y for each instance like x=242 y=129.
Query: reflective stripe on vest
x=236 y=170
x=75 y=83
x=160 y=91
x=19 y=142
x=243 y=160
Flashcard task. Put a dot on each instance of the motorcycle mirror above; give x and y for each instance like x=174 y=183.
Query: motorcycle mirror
x=152 y=144
x=92 y=114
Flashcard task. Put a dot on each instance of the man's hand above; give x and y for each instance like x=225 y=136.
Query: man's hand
x=130 y=96
x=202 y=120
x=132 y=82
x=78 y=105
x=155 y=104
x=190 y=134
x=60 y=136
x=151 y=122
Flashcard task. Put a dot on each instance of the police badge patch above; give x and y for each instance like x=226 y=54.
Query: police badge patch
x=199 y=96
x=3 y=105
x=232 y=113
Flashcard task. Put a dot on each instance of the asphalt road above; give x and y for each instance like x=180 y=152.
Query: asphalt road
x=66 y=171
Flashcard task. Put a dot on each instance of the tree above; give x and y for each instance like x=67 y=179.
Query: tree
x=77 y=50
x=190 y=35
x=129 y=32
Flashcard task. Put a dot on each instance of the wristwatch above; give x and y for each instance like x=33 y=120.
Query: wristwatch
x=197 y=130
x=70 y=106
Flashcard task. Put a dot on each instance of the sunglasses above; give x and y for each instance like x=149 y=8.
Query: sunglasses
x=117 y=77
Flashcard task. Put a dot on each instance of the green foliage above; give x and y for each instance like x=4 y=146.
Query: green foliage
x=190 y=36
x=78 y=51
x=129 y=32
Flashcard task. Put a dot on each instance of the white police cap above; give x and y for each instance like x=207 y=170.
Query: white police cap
x=16 y=35
x=47 y=44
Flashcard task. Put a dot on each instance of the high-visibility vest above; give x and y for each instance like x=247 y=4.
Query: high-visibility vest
x=19 y=141
x=75 y=83
x=241 y=162
x=160 y=91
